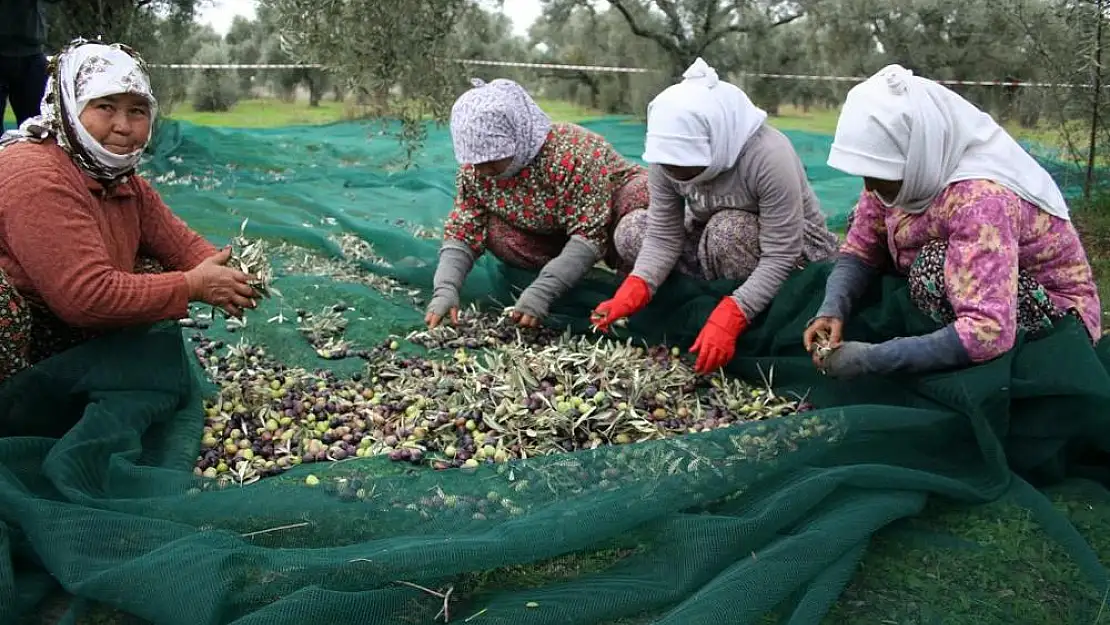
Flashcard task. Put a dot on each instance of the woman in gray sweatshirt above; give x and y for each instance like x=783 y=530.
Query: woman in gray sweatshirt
x=729 y=199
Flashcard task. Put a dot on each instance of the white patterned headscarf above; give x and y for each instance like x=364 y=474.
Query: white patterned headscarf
x=82 y=72
x=498 y=120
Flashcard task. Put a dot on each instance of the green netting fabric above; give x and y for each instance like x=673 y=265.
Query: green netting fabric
x=98 y=494
x=722 y=527
x=361 y=163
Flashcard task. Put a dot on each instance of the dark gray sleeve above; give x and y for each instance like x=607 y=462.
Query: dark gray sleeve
x=846 y=283
x=666 y=230
x=455 y=263
x=558 y=276
x=773 y=176
x=920 y=354
x=936 y=351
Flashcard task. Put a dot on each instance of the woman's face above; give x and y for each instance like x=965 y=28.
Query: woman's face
x=493 y=168
x=683 y=173
x=885 y=189
x=120 y=123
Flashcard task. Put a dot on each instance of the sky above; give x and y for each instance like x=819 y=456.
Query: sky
x=219 y=13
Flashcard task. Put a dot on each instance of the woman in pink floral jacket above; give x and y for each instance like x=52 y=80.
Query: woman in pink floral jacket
x=954 y=203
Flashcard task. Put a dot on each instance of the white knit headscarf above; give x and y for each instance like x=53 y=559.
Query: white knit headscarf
x=900 y=127
x=700 y=122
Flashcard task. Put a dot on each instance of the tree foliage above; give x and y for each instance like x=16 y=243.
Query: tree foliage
x=687 y=29
x=130 y=21
x=394 y=51
x=213 y=90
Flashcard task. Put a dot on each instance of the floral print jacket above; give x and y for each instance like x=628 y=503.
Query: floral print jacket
x=991 y=233
x=566 y=189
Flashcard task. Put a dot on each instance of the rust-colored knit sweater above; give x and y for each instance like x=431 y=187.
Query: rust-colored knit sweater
x=69 y=243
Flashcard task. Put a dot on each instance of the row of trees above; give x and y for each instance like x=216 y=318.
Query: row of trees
x=371 y=47
x=391 y=55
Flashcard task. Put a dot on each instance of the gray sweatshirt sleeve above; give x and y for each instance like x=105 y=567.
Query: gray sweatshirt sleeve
x=455 y=262
x=666 y=231
x=774 y=177
x=558 y=276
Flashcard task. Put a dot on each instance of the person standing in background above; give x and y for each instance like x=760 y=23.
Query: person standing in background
x=22 y=58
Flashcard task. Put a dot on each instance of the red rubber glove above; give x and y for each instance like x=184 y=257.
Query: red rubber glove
x=629 y=299
x=716 y=343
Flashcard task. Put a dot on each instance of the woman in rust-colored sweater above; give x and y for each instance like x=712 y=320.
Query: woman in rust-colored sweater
x=86 y=245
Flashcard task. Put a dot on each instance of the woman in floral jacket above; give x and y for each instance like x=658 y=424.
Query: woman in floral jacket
x=538 y=195
x=954 y=203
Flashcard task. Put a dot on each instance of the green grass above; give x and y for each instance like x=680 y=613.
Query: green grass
x=1093 y=222
x=270 y=113
x=264 y=113
x=988 y=564
x=267 y=113
x=274 y=113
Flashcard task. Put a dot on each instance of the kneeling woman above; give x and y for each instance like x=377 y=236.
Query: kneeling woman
x=954 y=203
x=538 y=195
x=751 y=213
x=74 y=218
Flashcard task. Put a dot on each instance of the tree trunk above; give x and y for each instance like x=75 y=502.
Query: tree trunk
x=315 y=93
x=1096 y=89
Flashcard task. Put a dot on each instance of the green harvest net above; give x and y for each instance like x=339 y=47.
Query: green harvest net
x=761 y=522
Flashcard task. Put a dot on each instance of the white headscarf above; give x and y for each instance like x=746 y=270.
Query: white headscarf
x=83 y=72
x=700 y=122
x=897 y=126
x=497 y=120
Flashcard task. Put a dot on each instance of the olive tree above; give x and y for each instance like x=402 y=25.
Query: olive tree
x=213 y=89
x=394 y=52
